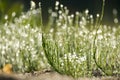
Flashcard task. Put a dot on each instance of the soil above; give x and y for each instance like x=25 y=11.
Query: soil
x=48 y=75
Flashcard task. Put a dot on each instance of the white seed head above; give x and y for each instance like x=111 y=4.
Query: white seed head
x=116 y=20
x=2 y=52
x=60 y=12
x=6 y=17
x=56 y=8
x=99 y=31
x=61 y=6
x=98 y=15
x=57 y=3
x=33 y=5
x=60 y=17
x=72 y=16
x=77 y=13
x=40 y=4
x=51 y=30
x=100 y=37
x=115 y=12
x=91 y=16
x=86 y=11
x=13 y=14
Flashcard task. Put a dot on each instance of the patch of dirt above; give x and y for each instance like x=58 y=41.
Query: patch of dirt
x=48 y=75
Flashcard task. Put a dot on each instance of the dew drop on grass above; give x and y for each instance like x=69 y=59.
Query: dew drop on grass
x=6 y=17
x=98 y=15
x=13 y=14
x=57 y=3
x=86 y=11
x=115 y=20
x=61 y=6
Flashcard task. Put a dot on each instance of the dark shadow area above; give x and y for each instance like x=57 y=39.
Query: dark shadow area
x=94 y=7
x=7 y=77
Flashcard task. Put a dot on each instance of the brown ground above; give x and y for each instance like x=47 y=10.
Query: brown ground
x=48 y=76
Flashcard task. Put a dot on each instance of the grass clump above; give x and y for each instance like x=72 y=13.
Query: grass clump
x=21 y=43
x=76 y=45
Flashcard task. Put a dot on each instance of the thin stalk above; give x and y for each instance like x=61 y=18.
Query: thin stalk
x=41 y=19
x=94 y=46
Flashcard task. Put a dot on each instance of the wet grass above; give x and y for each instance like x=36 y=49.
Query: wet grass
x=72 y=44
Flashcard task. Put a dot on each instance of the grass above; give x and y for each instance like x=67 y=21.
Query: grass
x=72 y=44
x=21 y=43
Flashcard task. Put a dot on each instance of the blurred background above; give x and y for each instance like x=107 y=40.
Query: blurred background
x=112 y=7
